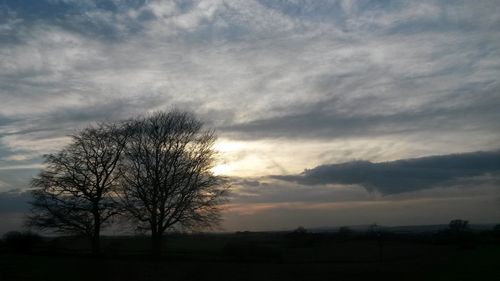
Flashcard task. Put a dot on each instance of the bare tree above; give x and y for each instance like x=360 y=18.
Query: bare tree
x=74 y=192
x=167 y=180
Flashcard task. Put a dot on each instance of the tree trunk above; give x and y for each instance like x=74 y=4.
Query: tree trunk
x=96 y=245
x=156 y=245
x=96 y=236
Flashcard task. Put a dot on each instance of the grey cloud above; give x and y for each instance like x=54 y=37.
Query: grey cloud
x=391 y=16
x=17 y=178
x=4 y=120
x=306 y=70
x=271 y=191
x=403 y=175
x=414 y=212
x=92 y=18
x=112 y=109
x=63 y=121
x=14 y=205
x=14 y=201
x=244 y=182
x=323 y=120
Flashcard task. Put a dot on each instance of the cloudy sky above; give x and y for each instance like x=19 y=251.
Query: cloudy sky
x=328 y=112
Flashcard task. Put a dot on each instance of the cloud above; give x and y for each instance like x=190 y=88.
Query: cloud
x=13 y=209
x=321 y=120
x=403 y=175
x=287 y=216
x=14 y=201
x=273 y=204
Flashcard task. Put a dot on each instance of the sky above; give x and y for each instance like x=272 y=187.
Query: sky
x=328 y=113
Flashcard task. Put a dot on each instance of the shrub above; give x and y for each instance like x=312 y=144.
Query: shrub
x=21 y=241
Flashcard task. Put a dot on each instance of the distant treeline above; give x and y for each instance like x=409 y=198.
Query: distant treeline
x=243 y=243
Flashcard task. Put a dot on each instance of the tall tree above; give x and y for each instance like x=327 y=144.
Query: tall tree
x=167 y=177
x=74 y=192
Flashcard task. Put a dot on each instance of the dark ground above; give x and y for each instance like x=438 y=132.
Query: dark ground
x=259 y=256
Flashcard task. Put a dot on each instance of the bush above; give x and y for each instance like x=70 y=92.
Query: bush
x=458 y=226
x=21 y=241
x=345 y=231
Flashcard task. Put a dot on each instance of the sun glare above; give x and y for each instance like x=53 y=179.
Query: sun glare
x=227 y=146
x=221 y=169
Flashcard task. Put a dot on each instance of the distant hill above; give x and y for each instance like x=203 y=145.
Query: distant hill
x=401 y=229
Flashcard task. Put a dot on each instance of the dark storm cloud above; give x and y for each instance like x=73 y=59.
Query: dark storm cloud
x=403 y=175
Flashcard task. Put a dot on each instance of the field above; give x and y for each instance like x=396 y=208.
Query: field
x=259 y=256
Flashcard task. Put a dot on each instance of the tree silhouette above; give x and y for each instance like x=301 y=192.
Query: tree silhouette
x=345 y=232
x=458 y=226
x=73 y=193
x=167 y=180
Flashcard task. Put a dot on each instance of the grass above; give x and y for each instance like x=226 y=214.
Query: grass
x=255 y=257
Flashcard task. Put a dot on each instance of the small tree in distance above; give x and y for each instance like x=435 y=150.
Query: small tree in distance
x=458 y=226
x=74 y=192
x=345 y=231
x=167 y=180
